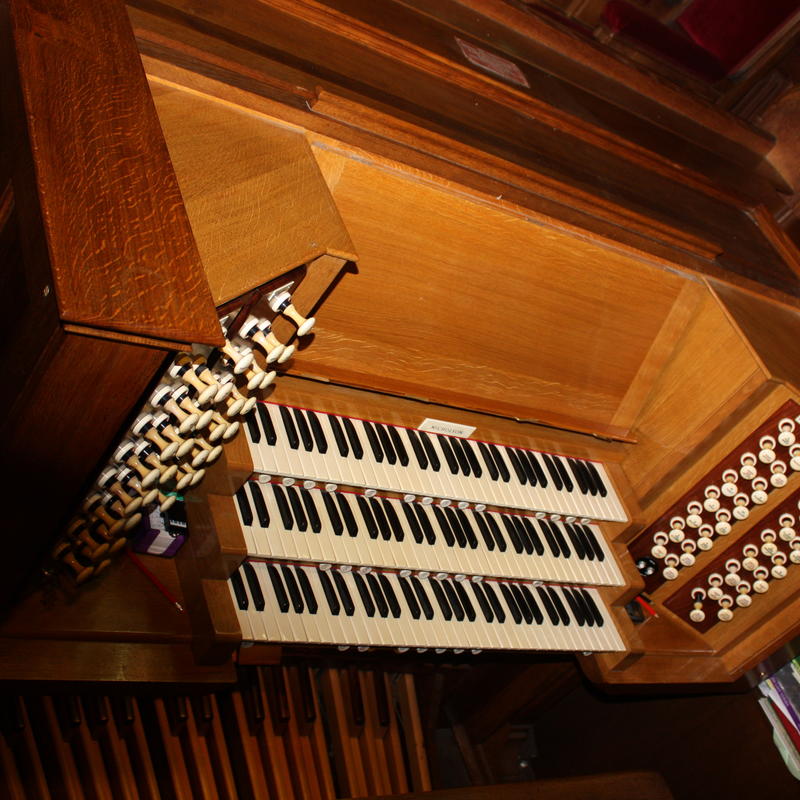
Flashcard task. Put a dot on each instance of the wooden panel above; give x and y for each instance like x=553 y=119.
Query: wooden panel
x=480 y=308
x=256 y=200
x=696 y=390
x=120 y=246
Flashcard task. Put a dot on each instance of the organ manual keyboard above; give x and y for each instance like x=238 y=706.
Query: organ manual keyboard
x=544 y=276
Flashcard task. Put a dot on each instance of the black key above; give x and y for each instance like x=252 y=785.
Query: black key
x=499 y=461
x=533 y=535
x=452 y=598
x=307 y=590
x=449 y=456
x=399 y=447
x=338 y=435
x=277 y=586
x=559 y=604
x=430 y=452
x=592 y=538
x=551 y=468
x=377 y=594
x=522 y=604
x=575 y=606
x=330 y=593
x=522 y=533
x=562 y=471
x=238 y=591
x=283 y=506
x=369 y=519
x=302 y=427
x=494 y=601
x=372 y=438
x=264 y=418
x=455 y=526
x=353 y=438
x=466 y=526
x=469 y=450
x=422 y=596
x=258 y=502
x=363 y=591
x=425 y=523
x=466 y=603
x=311 y=510
x=294 y=589
x=562 y=541
x=413 y=522
x=587 y=612
x=390 y=595
x=333 y=514
x=511 y=603
x=411 y=601
x=253 y=430
x=511 y=530
x=594 y=487
x=438 y=593
x=288 y=426
x=347 y=515
x=380 y=519
x=444 y=526
x=458 y=451
x=598 y=481
x=316 y=429
x=580 y=478
x=497 y=535
x=598 y=617
x=344 y=593
x=416 y=446
x=386 y=443
x=535 y=463
x=587 y=544
x=488 y=541
x=575 y=540
x=532 y=604
x=548 y=535
x=394 y=522
x=528 y=462
x=255 y=586
x=488 y=460
x=516 y=465
x=296 y=505
x=483 y=602
x=244 y=506
x=548 y=605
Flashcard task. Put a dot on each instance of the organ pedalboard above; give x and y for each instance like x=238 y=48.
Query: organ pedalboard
x=365 y=534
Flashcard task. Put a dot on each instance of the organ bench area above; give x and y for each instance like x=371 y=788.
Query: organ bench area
x=520 y=411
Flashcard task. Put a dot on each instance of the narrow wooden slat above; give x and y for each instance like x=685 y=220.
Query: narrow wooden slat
x=117 y=759
x=137 y=743
x=178 y=775
x=371 y=739
x=29 y=759
x=319 y=745
x=271 y=737
x=198 y=758
x=298 y=745
x=70 y=783
x=218 y=751
x=9 y=772
x=89 y=756
x=392 y=742
x=415 y=741
x=252 y=763
x=353 y=782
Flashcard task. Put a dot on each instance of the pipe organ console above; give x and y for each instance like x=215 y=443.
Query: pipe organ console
x=432 y=378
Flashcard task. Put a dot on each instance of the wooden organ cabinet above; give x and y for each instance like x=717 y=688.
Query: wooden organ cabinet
x=497 y=227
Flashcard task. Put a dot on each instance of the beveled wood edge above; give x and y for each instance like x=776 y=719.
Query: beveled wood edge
x=127 y=338
x=777 y=237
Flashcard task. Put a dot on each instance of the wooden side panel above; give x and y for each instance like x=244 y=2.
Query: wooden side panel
x=711 y=373
x=466 y=305
x=121 y=250
x=254 y=194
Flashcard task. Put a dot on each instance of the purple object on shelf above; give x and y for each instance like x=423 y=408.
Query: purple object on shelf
x=159 y=534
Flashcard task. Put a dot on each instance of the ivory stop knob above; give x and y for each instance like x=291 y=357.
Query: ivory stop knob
x=697 y=614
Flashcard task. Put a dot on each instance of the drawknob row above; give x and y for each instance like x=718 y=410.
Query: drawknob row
x=176 y=436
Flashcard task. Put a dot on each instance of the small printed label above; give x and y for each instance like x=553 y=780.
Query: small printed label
x=447 y=428
x=489 y=62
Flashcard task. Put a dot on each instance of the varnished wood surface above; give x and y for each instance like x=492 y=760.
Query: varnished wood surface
x=120 y=246
x=256 y=200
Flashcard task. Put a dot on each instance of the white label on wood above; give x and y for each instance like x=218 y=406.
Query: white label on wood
x=489 y=62
x=447 y=428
